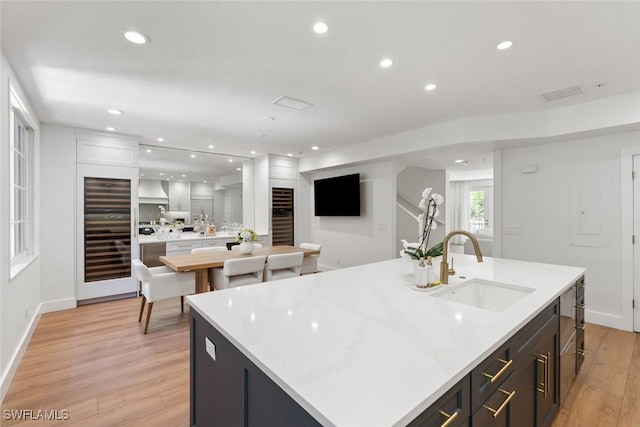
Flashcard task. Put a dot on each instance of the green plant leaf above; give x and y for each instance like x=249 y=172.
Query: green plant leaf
x=436 y=250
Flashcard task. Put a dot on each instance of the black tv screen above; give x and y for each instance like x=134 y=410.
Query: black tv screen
x=337 y=196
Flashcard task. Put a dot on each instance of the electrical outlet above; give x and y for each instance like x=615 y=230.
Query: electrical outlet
x=512 y=230
x=210 y=348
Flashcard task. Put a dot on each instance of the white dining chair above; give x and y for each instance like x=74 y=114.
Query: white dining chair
x=281 y=266
x=239 y=272
x=209 y=249
x=160 y=283
x=237 y=247
x=310 y=262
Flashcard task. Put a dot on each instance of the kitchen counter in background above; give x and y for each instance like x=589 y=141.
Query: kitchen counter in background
x=360 y=347
x=151 y=247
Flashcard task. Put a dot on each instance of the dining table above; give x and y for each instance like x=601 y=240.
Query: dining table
x=203 y=261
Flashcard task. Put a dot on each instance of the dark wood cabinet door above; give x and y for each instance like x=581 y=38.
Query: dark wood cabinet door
x=547 y=378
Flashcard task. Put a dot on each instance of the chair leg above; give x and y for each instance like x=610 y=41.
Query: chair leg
x=144 y=299
x=182 y=303
x=146 y=326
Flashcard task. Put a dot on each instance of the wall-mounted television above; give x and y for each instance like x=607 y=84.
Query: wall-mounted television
x=337 y=196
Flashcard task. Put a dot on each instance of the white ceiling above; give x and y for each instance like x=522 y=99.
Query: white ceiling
x=213 y=69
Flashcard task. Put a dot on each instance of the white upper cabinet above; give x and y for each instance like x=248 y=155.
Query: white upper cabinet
x=200 y=190
x=179 y=197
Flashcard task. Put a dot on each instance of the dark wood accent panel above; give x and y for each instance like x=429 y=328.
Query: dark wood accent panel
x=107 y=229
x=282 y=216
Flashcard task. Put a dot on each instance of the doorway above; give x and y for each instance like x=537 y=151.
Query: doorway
x=480 y=208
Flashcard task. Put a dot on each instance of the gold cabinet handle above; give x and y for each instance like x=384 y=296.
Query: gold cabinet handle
x=544 y=359
x=581 y=352
x=582 y=306
x=581 y=285
x=496 y=412
x=449 y=418
x=502 y=370
x=582 y=326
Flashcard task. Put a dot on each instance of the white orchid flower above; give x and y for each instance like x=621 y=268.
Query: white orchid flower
x=423 y=204
x=426 y=192
x=421 y=218
x=437 y=198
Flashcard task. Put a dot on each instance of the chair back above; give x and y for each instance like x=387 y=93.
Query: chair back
x=283 y=265
x=141 y=271
x=208 y=249
x=311 y=246
x=238 y=266
x=310 y=263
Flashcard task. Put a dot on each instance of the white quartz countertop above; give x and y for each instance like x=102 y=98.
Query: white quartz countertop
x=186 y=236
x=359 y=347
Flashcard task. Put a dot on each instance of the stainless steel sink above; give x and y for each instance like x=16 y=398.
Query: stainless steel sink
x=484 y=294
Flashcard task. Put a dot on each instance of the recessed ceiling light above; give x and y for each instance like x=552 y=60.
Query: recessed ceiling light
x=238 y=169
x=141 y=174
x=289 y=154
x=320 y=28
x=386 y=63
x=114 y=111
x=204 y=182
x=253 y=152
x=148 y=151
x=211 y=146
x=230 y=160
x=184 y=176
x=268 y=118
x=161 y=173
x=430 y=86
x=171 y=176
x=315 y=147
x=110 y=128
x=193 y=156
x=459 y=161
x=137 y=37
x=160 y=139
x=504 y=45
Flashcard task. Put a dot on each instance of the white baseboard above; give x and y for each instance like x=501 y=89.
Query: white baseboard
x=57 y=305
x=16 y=358
x=322 y=267
x=608 y=320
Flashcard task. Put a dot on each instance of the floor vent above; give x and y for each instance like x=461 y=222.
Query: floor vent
x=562 y=93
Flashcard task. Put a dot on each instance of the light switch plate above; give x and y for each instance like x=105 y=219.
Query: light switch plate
x=511 y=229
x=210 y=347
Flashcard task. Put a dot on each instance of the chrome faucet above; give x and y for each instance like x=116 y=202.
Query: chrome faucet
x=444 y=265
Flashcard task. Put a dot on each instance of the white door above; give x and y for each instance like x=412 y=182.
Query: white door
x=106 y=230
x=480 y=208
x=636 y=246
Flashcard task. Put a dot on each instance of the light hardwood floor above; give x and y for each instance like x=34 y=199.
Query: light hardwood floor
x=95 y=362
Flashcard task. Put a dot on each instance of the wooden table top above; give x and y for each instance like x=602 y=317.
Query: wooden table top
x=187 y=262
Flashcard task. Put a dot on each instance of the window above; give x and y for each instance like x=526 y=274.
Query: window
x=21 y=171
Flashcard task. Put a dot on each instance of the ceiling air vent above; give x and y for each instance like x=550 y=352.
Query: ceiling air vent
x=562 y=93
x=296 y=104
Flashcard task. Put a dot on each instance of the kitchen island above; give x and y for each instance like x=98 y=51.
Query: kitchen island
x=357 y=346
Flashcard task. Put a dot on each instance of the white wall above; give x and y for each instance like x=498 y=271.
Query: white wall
x=349 y=241
x=19 y=296
x=411 y=181
x=546 y=207
x=58 y=202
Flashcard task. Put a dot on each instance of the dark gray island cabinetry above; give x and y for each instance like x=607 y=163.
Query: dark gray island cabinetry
x=357 y=347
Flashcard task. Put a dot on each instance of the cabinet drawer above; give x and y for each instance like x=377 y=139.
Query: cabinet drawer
x=454 y=406
x=215 y=242
x=183 y=246
x=489 y=375
x=495 y=411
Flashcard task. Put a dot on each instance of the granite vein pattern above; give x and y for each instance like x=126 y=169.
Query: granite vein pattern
x=359 y=347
